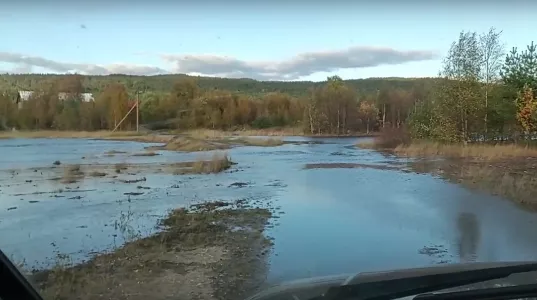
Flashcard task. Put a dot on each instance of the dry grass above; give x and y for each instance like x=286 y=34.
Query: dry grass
x=115 y=152
x=366 y=145
x=387 y=139
x=217 y=163
x=67 y=134
x=215 y=134
x=71 y=174
x=97 y=174
x=148 y=153
x=262 y=142
x=190 y=145
x=514 y=179
x=120 y=167
x=102 y=134
x=481 y=151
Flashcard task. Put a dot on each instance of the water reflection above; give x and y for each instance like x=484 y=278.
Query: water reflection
x=469 y=237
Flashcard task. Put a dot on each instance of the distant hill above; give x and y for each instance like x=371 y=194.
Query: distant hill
x=164 y=83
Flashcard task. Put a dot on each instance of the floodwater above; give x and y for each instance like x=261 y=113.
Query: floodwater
x=329 y=220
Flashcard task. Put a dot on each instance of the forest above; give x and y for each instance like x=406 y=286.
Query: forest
x=482 y=92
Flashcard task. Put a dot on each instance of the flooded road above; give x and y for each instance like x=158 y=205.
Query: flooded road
x=328 y=219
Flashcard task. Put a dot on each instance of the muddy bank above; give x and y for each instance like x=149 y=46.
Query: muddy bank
x=214 y=250
x=506 y=170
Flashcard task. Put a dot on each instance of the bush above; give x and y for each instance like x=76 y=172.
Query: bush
x=389 y=138
x=262 y=123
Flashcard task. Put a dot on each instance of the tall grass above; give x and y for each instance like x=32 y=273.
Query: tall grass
x=388 y=138
x=218 y=163
x=68 y=134
x=478 y=151
x=192 y=145
x=262 y=142
x=214 y=134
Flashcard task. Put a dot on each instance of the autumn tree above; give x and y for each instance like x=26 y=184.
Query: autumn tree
x=460 y=92
x=519 y=73
x=113 y=105
x=7 y=112
x=369 y=114
x=331 y=106
x=527 y=110
x=72 y=84
x=492 y=52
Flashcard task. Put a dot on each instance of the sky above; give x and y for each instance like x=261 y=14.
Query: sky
x=265 y=40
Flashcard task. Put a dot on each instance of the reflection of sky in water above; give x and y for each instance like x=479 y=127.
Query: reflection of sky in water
x=335 y=220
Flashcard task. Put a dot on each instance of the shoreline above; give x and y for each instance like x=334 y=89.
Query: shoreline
x=508 y=171
x=164 y=136
x=210 y=250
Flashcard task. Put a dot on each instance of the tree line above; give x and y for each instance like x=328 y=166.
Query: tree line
x=481 y=93
x=331 y=107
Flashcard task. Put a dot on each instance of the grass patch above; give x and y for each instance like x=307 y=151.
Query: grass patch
x=514 y=178
x=115 y=152
x=262 y=142
x=71 y=174
x=120 y=167
x=219 y=162
x=209 y=251
x=97 y=174
x=388 y=138
x=67 y=134
x=366 y=145
x=148 y=153
x=474 y=151
x=215 y=134
x=190 y=145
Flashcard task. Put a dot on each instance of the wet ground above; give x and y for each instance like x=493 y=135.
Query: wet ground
x=337 y=208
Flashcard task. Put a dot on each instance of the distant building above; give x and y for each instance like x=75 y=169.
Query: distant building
x=85 y=97
x=23 y=96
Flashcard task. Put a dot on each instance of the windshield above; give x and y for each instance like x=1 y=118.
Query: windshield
x=159 y=150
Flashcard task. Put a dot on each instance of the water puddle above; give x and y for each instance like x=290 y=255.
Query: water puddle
x=358 y=211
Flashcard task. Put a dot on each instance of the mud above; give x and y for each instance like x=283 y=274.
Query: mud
x=214 y=250
x=354 y=166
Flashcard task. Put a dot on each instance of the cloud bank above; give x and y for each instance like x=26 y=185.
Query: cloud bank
x=301 y=65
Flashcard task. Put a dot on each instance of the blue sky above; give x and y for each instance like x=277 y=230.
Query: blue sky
x=287 y=40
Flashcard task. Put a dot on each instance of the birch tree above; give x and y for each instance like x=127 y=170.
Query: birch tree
x=461 y=91
x=492 y=53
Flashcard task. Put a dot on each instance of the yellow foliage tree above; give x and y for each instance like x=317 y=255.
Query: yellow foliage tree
x=527 y=106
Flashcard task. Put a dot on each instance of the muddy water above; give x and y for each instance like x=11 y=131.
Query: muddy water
x=329 y=219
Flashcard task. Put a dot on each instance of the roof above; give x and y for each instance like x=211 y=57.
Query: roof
x=86 y=97
x=25 y=95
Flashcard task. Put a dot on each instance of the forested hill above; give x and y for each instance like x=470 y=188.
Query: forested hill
x=164 y=83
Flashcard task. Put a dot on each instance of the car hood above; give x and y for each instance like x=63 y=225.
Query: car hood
x=311 y=287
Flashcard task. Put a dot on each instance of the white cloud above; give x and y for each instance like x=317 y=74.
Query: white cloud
x=89 y=69
x=301 y=65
